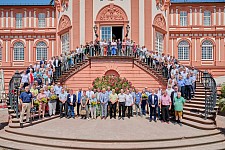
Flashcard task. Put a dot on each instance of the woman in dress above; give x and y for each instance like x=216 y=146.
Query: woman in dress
x=42 y=98
x=84 y=106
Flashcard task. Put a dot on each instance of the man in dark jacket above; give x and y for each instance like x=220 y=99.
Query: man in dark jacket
x=71 y=102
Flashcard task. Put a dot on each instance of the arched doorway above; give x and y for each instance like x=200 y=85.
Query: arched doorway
x=112 y=73
x=111 y=21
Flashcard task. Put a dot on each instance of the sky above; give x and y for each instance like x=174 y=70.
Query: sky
x=24 y=2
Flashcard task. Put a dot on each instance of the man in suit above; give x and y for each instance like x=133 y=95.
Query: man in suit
x=42 y=61
x=153 y=104
x=71 y=102
x=57 y=63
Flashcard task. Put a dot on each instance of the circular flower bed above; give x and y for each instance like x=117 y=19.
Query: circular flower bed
x=114 y=82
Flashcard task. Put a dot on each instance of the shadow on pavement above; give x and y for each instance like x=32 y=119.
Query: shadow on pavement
x=3 y=124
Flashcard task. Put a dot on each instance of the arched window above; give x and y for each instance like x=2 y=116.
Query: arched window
x=207 y=50
x=0 y=52
x=207 y=18
x=159 y=43
x=18 y=51
x=41 y=51
x=183 y=50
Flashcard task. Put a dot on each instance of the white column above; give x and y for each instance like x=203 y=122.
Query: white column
x=141 y=22
x=29 y=19
x=7 y=19
x=219 y=49
x=6 y=51
x=53 y=18
x=224 y=16
x=171 y=17
x=190 y=16
x=195 y=16
x=25 y=18
x=200 y=13
x=29 y=50
x=177 y=17
x=195 y=49
x=48 y=19
x=12 y=19
x=214 y=21
x=82 y=22
x=34 y=18
x=3 y=18
x=219 y=19
x=172 y=47
x=53 y=47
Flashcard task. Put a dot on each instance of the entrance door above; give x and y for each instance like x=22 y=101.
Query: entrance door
x=111 y=32
x=117 y=33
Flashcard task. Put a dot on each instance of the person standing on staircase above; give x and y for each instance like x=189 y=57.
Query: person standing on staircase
x=25 y=100
x=178 y=107
x=188 y=85
x=57 y=63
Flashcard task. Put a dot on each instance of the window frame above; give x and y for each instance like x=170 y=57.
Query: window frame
x=19 y=20
x=19 y=48
x=41 y=20
x=67 y=44
x=41 y=48
x=184 y=19
x=209 y=17
x=183 y=46
x=207 y=50
x=159 y=48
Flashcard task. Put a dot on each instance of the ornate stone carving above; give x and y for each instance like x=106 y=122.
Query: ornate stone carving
x=163 y=4
x=61 y=5
x=160 y=22
x=64 y=23
x=111 y=13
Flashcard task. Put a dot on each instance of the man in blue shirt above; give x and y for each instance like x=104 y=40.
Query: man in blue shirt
x=137 y=100
x=104 y=103
x=25 y=100
x=79 y=95
x=188 y=84
x=181 y=85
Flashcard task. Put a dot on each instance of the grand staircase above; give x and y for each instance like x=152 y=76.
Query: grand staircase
x=194 y=111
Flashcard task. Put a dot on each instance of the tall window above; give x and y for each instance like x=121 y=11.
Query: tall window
x=183 y=18
x=65 y=43
x=106 y=33
x=183 y=50
x=18 y=51
x=0 y=52
x=207 y=18
x=19 y=20
x=207 y=50
x=41 y=51
x=159 y=43
x=41 y=20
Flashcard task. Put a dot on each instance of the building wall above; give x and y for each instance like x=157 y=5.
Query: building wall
x=29 y=34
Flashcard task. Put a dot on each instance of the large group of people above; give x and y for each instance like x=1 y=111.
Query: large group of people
x=38 y=87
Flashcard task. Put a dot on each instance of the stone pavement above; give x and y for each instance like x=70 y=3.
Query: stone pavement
x=128 y=129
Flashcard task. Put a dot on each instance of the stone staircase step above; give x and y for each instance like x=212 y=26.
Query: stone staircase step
x=197 y=114
x=200 y=102
x=199 y=119
x=198 y=125
x=17 y=124
x=94 y=145
x=190 y=104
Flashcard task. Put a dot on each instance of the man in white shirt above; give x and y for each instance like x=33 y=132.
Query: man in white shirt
x=129 y=103
x=122 y=99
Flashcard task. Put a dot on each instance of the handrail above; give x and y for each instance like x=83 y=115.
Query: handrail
x=209 y=84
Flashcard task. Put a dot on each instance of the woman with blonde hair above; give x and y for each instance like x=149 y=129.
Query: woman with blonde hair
x=42 y=98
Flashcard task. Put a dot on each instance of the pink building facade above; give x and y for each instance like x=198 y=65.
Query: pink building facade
x=192 y=32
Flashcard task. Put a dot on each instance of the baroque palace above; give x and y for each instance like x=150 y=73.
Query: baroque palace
x=191 y=30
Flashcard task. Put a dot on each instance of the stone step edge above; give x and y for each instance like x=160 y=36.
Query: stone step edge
x=111 y=141
x=17 y=125
x=200 y=126
x=80 y=147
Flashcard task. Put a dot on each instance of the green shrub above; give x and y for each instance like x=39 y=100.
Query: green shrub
x=222 y=104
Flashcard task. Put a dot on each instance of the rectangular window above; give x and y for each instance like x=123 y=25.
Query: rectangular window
x=65 y=43
x=159 y=43
x=183 y=53
x=41 y=20
x=183 y=18
x=18 y=54
x=207 y=18
x=106 y=33
x=19 y=20
x=207 y=53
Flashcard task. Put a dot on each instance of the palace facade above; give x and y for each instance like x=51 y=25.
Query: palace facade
x=191 y=30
